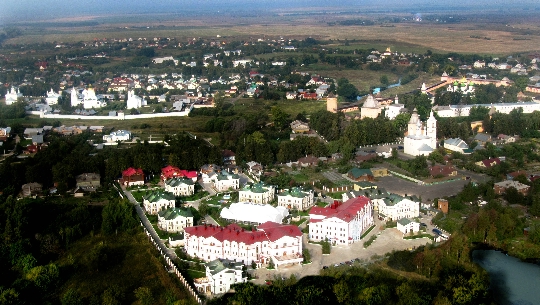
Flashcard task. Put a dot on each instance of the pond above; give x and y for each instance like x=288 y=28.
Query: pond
x=512 y=281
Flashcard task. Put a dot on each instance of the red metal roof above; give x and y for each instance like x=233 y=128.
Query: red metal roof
x=132 y=171
x=267 y=231
x=172 y=171
x=346 y=211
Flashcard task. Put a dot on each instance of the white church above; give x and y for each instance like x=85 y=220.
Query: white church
x=89 y=99
x=12 y=96
x=134 y=101
x=421 y=138
x=52 y=97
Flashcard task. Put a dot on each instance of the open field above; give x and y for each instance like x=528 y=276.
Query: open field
x=412 y=36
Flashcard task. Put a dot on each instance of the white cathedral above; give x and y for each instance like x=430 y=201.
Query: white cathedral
x=12 y=96
x=89 y=99
x=52 y=97
x=421 y=139
x=134 y=101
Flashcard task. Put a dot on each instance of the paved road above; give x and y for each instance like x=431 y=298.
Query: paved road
x=170 y=253
x=387 y=241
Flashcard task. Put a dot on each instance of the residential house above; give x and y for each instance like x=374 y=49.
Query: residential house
x=174 y=219
x=296 y=199
x=299 y=127
x=229 y=157
x=157 y=201
x=4 y=133
x=360 y=174
x=394 y=207
x=362 y=156
x=341 y=224
x=255 y=169
x=458 y=145
x=507 y=139
x=88 y=182
x=31 y=189
x=384 y=151
x=501 y=187
x=487 y=163
x=442 y=171
x=257 y=193
x=180 y=186
x=281 y=244
x=132 y=176
x=253 y=213
x=407 y=226
x=308 y=161
x=220 y=275
x=513 y=175
x=482 y=138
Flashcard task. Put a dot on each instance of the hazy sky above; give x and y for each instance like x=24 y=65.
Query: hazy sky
x=17 y=10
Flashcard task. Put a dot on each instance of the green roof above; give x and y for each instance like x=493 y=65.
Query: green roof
x=225 y=176
x=178 y=181
x=172 y=213
x=158 y=195
x=294 y=192
x=359 y=172
x=404 y=221
x=259 y=187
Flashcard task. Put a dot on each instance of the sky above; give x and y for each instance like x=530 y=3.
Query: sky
x=24 y=10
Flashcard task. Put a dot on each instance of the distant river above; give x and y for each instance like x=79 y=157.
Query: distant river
x=512 y=281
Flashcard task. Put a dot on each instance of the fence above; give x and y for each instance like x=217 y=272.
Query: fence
x=336 y=188
x=172 y=266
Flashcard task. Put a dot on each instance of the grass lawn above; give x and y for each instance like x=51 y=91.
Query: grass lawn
x=130 y=261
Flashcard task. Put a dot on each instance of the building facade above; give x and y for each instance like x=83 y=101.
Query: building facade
x=341 y=224
x=180 y=186
x=396 y=207
x=281 y=244
x=257 y=193
x=420 y=139
x=296 y=199
x=157 y=201
x=175 y=219
x=220 y=275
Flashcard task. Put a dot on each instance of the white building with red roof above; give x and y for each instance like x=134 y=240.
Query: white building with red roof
x=341 y=223
x=271 y=241
x=132 y=176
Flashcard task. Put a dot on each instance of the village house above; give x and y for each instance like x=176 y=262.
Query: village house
x=157 y=201
x=174 y=219
x=132 y=176
x=457 y=145
x=220 y=275
x=255 y=169
x=299 y=127
x=180 y=186
x=436 y=171
x=281 y=244
x=225 y=181
x=501 y=187
x=296 y=199
x=31 y=189
x=88 y=182
x=488 y=163
x=253 y=213
x=341 y=224
x=257 y=193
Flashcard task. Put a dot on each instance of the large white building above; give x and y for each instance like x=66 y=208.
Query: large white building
x=220 y=275
x=281 y=244
x=225 y=181
x=396 y=207
x=453 y=111
x=421 y=139
x=12 y=96
x=52 y=97
x=341 y=224
x=180 y=186
x=175 y=219
x=296 y=199
x=392 y=110
x=254 y=213
x=157 y=201
x=257 y=193
x=119 y=135
x=89 y=99
x=134 y=101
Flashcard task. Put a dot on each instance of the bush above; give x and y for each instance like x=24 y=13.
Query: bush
x=370 y=241
x=326 y=247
